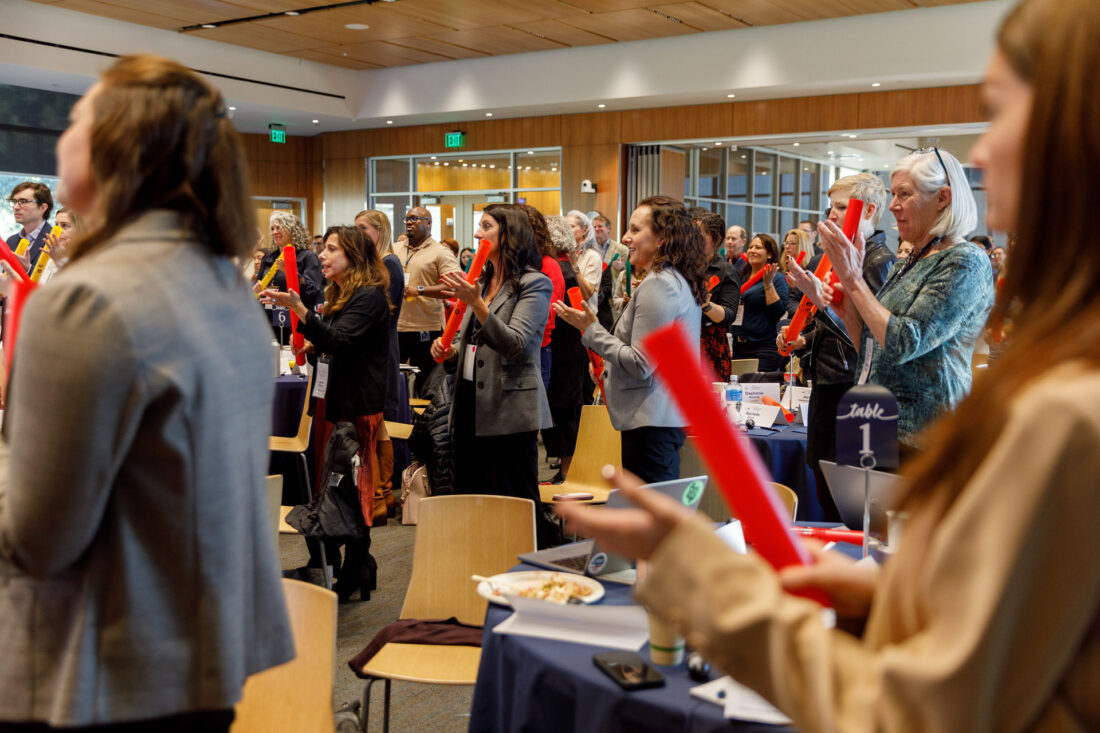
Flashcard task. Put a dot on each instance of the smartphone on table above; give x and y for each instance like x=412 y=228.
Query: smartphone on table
x=628 y=669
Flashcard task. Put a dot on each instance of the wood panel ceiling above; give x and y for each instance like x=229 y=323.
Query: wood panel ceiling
x=403 y=32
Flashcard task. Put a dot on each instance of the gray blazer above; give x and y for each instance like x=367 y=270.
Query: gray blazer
x=138 y=572
x=508 y=373
x=635 y=398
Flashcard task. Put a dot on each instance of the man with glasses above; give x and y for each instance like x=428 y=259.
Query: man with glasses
x=424 y=261
x=31 y=206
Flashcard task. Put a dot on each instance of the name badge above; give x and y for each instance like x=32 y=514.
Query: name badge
x=740 y=315
x=320 y=380
x=406 y=279
x=468 y=363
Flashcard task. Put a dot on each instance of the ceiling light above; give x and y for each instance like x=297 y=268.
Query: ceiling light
x=601 y=106
x=232 y=109
x=530 y=152
x=743 y=157
x=853 y=135
x=465 y=165
x=493 y=165
x=795 y=145
x=805 y=169
x=357 y=26
x=437 y=162
x=209 y=26
x=316 y=122
x=291 y=12
x=876 y=84
x=528 y=167
x=488 y=114
x=433 y=157
x=482 y=165
x=730 y=96
x=345 y=53
x=706 y=148
x=389 y=122
x=830 y=152
x=718 y=144
x=446 y=164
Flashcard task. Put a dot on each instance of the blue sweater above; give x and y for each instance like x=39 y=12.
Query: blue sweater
x=761 y=322
x=937 y=311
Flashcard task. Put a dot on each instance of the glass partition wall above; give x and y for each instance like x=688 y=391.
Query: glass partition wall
x=455 y=187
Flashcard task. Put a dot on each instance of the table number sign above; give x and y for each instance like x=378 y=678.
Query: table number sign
x=867 y=428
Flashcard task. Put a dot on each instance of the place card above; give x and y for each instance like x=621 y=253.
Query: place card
x=762 y=416
x=804 y=413
x=753 y=391
x=795 y=395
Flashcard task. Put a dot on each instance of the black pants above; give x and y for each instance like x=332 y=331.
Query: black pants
x=653 y=454
x=821 y=439
x=203 y=721
x=416 y=349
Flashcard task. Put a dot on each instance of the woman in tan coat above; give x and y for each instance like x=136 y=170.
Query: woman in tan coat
x=986 y=618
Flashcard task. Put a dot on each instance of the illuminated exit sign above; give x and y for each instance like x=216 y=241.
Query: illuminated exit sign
x=278 y=133
x=456 y=139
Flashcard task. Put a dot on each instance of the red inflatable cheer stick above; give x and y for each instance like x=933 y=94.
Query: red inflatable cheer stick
x=576 y=300
x=13 y=314
x=712 y=283
x=801 y=258
x=290 y=264
x=806 y=307
x=455 y=319
x=7 y=256
x=828 y=534
x=732 y=462
x=787 y=415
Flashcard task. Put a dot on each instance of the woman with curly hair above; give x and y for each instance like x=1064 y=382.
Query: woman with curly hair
x=764 y=301
x=287 y=229
x=661 y=240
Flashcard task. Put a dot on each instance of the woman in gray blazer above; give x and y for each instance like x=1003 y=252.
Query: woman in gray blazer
x=499 y=400
x=138 y=575
x=662 y=241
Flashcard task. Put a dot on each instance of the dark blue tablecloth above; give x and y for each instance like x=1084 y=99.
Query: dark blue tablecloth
x=527 y=684
x=784 y=453
x=290 y=394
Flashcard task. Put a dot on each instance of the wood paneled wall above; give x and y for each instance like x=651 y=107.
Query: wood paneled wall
x=329 y=167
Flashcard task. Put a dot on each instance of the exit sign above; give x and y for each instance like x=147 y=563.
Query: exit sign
x=278 y=133
x=456 y=139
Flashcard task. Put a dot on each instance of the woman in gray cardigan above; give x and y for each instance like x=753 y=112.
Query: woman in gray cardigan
x=662 y=241
x=499 y=399
x=139 y=581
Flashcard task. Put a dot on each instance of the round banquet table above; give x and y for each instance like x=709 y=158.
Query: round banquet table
x=783 y=449
x=528 y=684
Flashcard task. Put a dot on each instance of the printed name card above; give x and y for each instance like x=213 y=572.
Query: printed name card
x=794 y=396
x=762 y=416
x=753 y=391
x=804 y=412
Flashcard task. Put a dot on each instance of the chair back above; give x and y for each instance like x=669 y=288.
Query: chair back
x=297 y=695
x=274 y=502
x=300 y=441
x=743 y=366
x=788 y=496
x=598 y=444
x=712 y=503
x=462 y=535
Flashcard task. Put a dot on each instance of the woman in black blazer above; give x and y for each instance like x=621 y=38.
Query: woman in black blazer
x=350 y=342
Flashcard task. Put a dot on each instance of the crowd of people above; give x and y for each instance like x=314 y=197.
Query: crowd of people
x=140 y=579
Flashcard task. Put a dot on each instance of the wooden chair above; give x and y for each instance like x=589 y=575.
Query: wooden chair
x=598 y=444
x=274 y=503
x=456 y=537
x=298 y=444
x=297 y=695
x=788 y=496
x=712 y=504
x=743 y=366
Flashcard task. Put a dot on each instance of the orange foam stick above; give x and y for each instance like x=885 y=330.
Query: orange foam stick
x=752 y=281
x=787 y=415
x=455 y=319
x=801 y=258
x=290 y=264
x=732 y=462
x=712 y=283
x=831 y=534
x=576 y=300
x=13 y=315
x=806 y=308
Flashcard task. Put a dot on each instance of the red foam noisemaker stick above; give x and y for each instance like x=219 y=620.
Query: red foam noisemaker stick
x=13 y=314
x=7 y=256
x=732 y=462
x=801 y=258
x=455 y=319
x=290 y=263
x=752 y=281
x=828 y=534
x=806 y=308
x=576 y=301
x=712 y=283
x=787 y=415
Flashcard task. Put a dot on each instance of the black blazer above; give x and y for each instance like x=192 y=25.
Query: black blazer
x=356 y=340
x=36 y=246
x=310 y=282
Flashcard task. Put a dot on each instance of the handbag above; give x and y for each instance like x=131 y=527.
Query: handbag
x=414 y=487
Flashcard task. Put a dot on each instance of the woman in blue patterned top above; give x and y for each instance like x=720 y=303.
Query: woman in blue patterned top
x=922 y=325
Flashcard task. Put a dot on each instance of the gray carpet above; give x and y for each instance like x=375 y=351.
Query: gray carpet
x=414 y=707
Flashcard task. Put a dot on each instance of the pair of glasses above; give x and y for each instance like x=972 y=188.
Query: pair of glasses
x=411 y=219
x=934 y=149
x=22 y=202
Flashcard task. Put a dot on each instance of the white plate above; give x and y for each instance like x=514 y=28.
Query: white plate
x=535 y=578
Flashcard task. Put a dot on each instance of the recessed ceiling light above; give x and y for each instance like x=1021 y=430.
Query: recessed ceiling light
x=232 y=109
x=853 y=135
x=730 y=96
x=796 y=145
x=209 y=26
x=465 y=165
x=601 y=106
x=718 y=144
x=389 y=122
x=446 y=164
x=805 y=169
x=437 y=162
x=530 y=152
x=488 y=114
x=493 y=165
x=876 y=84
x=706 y=148
x=743 y=157
x=830 y=152
x=316 y=122
x=528 y=167
x=345 y=53
x=291 y=12
x=357 y=26
x=482 y=165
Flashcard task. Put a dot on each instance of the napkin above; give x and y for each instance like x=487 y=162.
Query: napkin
x=616 y=627
x=739 y=702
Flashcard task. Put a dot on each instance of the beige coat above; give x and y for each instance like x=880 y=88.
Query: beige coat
x=985 y=620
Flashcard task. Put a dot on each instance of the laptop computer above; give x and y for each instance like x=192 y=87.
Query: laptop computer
x=846 y=484
x=588 y=558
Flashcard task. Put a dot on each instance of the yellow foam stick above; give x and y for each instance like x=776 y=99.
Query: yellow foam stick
x=40 y=266
x=56 y=231
x=24 y=245
x=270 y=273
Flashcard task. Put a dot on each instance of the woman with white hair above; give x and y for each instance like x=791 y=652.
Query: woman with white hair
x=286 y=229
x=587 y=261
x=917 y=336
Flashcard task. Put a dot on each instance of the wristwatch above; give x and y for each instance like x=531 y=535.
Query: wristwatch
x=420 y=289
x=707 y=307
